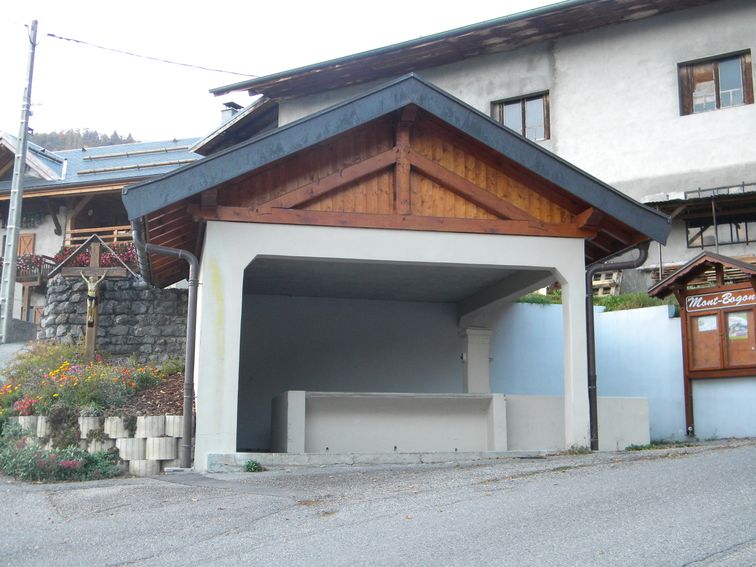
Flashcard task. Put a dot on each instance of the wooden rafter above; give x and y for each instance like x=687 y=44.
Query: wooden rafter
x=467 y=189
x=589 y=219
x=349 y=174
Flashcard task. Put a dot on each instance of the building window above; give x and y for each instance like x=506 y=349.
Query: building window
x=716 y=83
x=529 y=116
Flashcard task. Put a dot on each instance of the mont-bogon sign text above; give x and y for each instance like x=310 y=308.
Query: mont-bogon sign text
x=720 y=300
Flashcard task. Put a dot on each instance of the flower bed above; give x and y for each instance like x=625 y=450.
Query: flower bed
x=123 y=251
x=53 y=411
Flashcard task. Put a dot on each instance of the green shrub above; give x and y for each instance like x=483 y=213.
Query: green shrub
x=24 y=461
x=625 y=301
x=172 y=366
x=253 y=466
x=540 y=299
x=63 y=424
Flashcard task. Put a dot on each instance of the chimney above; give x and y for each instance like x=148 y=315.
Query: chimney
x=230 y=110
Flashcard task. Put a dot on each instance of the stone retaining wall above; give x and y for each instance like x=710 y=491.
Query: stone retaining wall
x=134 y=317
x=154 y=445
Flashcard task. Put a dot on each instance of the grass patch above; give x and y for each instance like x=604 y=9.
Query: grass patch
x=660 y=445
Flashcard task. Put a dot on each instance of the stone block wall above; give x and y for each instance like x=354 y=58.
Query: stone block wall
x=134 y=317
x=154 y=446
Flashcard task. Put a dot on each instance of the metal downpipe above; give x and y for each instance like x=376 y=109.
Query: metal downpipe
x=590 y=328
x=191 y=331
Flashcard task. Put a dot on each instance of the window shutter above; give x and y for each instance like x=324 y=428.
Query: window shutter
x=26 y=244
x=745 y=63
x=686 y=89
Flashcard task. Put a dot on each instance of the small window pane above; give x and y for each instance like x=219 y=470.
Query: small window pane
x=741 y=347
x=705 y=345
x=513 y=116
x=704 y=89
x=730 y=83
x=535 y=119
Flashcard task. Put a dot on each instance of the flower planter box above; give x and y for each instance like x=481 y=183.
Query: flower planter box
x=101 y=445
x=131 y=449
x=150 y=426
x=42 y=428
x=161 y=448
x=174 y=425
x=144 y=467
x=87 y=424
x=28 y=423
x=115 y=427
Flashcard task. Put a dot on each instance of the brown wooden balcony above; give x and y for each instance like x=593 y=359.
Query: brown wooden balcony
x=109 y=234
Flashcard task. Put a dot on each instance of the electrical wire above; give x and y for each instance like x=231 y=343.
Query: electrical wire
x=122 y=52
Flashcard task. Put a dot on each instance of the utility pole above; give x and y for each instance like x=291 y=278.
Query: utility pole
x=8 y=284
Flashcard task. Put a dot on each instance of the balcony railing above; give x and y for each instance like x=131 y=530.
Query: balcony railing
x=35 y=274
x=109 y=234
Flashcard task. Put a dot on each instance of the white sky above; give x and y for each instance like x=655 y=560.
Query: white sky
x=77 y=86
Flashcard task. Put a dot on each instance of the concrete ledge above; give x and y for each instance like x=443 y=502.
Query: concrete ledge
x=234 y=462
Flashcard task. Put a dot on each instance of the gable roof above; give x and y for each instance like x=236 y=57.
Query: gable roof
x=697 y=266
x=153 y=195
x=493 y=36
x=42 y=164
x=260 y=116
x=101 y=164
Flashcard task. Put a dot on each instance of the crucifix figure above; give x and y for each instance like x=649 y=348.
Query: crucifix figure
x=93 y=285
x=93 y=275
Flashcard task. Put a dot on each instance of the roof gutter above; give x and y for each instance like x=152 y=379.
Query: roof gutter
x=604 y=266
x=191 y=329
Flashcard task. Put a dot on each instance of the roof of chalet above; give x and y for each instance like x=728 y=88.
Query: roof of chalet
x=260 y=116
x=492 y=36
x=697 y=266
x=155 y=194
x=48 y=170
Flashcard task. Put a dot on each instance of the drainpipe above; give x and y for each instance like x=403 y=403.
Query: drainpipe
x=191 y=329
x=590 y=330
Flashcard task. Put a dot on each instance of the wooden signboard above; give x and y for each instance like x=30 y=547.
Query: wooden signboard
x=718 y=323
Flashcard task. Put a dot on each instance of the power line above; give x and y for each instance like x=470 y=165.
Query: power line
x=122 y=52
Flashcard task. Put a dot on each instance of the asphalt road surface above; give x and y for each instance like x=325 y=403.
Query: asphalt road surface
x=692 y=507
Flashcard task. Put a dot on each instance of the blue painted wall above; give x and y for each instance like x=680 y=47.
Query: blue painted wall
x=638 y=353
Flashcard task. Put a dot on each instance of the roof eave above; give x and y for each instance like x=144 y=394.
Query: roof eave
x=143 y=198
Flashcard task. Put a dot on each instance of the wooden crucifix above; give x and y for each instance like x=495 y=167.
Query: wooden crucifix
x=93 y=275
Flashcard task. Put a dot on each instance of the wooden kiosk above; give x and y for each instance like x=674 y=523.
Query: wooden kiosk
x=717 y=297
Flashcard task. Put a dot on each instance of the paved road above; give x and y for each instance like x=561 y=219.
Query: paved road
x=692 y=507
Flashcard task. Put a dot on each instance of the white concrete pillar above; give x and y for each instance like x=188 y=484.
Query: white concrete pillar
x=217 y=343
x=477 y=361
x=576 y=415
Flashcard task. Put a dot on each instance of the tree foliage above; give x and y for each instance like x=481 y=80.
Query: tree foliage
x=72 y=139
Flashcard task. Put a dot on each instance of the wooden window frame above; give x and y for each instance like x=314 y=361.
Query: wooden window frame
x=685 y=80
x=497 y=113
x=31 y=241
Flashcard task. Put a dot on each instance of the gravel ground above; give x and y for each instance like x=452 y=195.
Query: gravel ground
x=681 y=506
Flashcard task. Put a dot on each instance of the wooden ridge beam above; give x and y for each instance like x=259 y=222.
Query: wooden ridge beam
x=468 y=190
x=349 y=174
x=390 y=221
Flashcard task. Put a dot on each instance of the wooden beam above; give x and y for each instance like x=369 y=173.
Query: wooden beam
x=402 y=169
x=468 y=190
x=589 y=219
x=350 y=174
x=209 y=198
x=404 y=222
x=117 y=272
